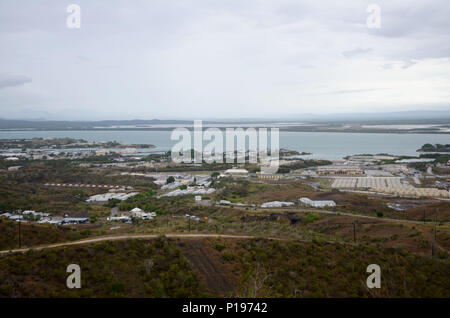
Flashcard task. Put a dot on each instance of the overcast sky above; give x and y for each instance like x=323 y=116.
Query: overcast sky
x=221 y=58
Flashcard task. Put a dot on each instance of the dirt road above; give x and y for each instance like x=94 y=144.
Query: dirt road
x=125 y=237
x=321 y=211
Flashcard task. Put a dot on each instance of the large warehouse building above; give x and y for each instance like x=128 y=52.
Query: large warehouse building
x=339 y=170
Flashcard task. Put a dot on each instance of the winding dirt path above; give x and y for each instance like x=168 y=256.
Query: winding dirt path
x=322 y=211
x=125 y=237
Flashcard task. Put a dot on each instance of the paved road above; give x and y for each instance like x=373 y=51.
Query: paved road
x=130 y=236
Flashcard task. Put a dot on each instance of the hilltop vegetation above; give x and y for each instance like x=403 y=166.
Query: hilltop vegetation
x=302 y=164
x=37 y=234
x=131 y=268
x=435 y=148
x=245 y=268
x=299 y=269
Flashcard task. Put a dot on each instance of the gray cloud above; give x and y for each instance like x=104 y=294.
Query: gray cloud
x=356 y=52
x=146 y=59
x=400 y=64
x=356 y=91
x=11 y=80
x=83 y=58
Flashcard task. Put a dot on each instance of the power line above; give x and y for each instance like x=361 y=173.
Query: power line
x=434 y=237
x=20 y=221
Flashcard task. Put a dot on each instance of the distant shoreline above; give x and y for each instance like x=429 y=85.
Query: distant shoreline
x=361 y=131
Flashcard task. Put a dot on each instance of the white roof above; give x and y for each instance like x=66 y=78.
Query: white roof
x=117 y=218
x=75 y=218
x=192 y=190
x=318 y=202
x=136 y=210
x=276 y=204
x=236 y=171
x=109 y=195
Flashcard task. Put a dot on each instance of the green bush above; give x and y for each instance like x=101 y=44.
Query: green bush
x=219 y=246
x=229 y=256
x=170 y=179
x=117 y=287
x=312 y=217
x=442 y=254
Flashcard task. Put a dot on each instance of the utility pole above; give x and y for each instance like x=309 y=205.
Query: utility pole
x=435 y=223
x=189 y=219
x=20 y=221
x=434 y=238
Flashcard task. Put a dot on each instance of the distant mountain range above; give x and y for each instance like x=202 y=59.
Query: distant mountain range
x=406 y=117
x=328 y=120
x=80 y=125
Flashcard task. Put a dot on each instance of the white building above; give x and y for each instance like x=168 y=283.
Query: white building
x=276 y=204
x=110 y=195
x=69 y=220
x=236 y=172
x=16 y=217
x=51 y=220
x=34 y=213
x=189 y=190
x=148 y=216
x=14 y=168
x=140 y=214
x=136 y=213
x=317 y=204
x=119 y=218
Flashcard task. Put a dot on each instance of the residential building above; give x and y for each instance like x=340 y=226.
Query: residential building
x=236 y=172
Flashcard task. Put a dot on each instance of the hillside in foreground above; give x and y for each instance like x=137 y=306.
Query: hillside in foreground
x=222 y=267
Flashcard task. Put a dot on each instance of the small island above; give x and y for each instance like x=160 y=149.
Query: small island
x=65 y=143
x=290 y=153
x=435 y=148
